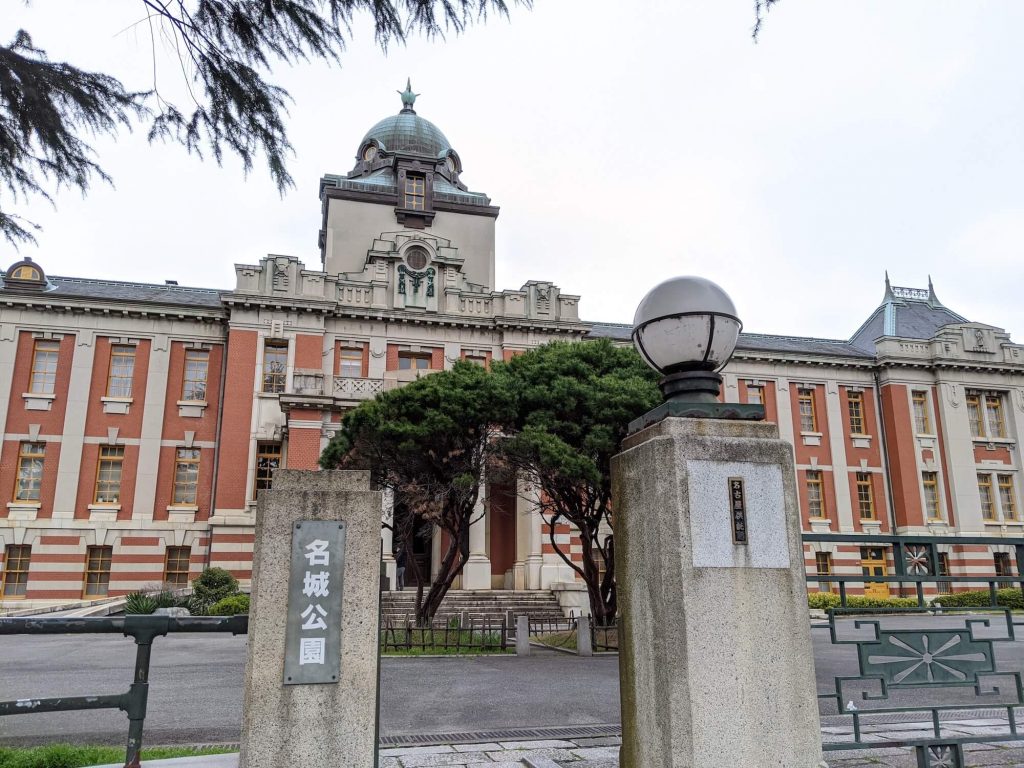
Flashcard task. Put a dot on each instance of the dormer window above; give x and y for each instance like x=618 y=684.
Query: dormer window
x=415 y=192
x=25 y=272
x=25 y=275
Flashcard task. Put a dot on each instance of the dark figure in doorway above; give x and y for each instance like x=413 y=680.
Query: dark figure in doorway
x=400 y=568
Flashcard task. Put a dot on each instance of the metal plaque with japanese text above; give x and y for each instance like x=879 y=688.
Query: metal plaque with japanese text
x=313 y=635
x=738 y=511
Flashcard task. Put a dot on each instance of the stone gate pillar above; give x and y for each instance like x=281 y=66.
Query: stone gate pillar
x=715 y=655
x=312 y=668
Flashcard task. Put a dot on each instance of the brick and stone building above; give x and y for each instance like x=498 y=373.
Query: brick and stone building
x=139 y=421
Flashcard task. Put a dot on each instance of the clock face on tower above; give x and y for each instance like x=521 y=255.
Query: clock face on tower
x=370 y=154
x=450 y=164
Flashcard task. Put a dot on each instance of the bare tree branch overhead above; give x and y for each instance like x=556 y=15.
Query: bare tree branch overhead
x=227 y=49
x=226 y=52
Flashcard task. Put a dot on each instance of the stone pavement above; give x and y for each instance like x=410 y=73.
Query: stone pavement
x=603 y=752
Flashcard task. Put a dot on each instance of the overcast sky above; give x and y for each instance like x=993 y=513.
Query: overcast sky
x=625 y=142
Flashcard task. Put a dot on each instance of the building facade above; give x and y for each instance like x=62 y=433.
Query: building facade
x=140 y=421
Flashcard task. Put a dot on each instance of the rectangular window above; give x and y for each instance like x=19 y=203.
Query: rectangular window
x=823 y=567
x=413 y=361
x=855 y=408
x=815 y=494
x=16 y=560
x=44 y=367
x=122 y=370
x=108 y=475
x=30 y=471
x=974 y=414
x=994 y=415
x=1008 y=497
x=1003 y=568
x=97 y=571
x=922 y=424
x=755 y=394
x=415 y=192
x=480 y=360
x=275 y=366
x=268 y=458
x=988 y=502
x=930 y=481
x=865 y=496
x=808 y=419
x=944 y=587
x=197 y=369
x=186 y=476
x=350 y=362
x=176 y=566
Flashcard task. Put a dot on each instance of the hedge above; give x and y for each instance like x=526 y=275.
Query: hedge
x=982 y=598
x=825 y=600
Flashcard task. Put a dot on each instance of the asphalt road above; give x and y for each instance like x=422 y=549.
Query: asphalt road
x=196 y=687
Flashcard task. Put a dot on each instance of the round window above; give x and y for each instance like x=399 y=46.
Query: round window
x=416 y=258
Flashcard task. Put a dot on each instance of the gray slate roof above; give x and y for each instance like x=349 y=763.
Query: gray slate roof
x=752 y=342
x=907 y=319
x=118 y=291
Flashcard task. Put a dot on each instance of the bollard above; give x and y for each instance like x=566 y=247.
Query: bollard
x=584 y=644
x=522 y=636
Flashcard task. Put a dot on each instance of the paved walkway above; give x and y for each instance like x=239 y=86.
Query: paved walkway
x=603 y=752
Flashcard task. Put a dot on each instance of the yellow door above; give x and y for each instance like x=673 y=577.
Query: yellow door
x=872 y=563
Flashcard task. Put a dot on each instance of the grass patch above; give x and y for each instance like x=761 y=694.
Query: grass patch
x=72 y=756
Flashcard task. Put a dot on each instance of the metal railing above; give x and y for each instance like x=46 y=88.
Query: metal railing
x=445 y=637
x=144 y=629
x=929 y=669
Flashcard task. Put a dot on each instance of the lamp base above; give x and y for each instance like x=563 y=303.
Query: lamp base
x=698 y=410
x=692 y=386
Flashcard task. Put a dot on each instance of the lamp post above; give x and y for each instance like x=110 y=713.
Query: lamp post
x=715 y=662
x=686 y=328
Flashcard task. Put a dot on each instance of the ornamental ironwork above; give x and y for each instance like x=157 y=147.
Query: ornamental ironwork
x=918 y=559
x=416 y=279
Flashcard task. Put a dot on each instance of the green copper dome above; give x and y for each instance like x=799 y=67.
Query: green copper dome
x=408 y=132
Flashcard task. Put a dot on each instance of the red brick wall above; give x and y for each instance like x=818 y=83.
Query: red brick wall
x=902 y=455
x=232 y=491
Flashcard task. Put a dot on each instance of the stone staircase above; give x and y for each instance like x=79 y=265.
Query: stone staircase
x=477 y=607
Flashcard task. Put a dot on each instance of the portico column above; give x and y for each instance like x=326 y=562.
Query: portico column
x=535 y=539
x=387 y=537
x=523 y=512
x=476 y=574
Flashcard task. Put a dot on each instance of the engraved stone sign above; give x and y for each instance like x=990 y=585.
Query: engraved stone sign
x=713 y=520
x=313 y=636
x=738 y=510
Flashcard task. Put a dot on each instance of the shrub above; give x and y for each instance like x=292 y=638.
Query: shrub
x=822 y=600
x=214 y=584
x=825 y=600
x=981 y=598
x=139 y=602
x=230 y=606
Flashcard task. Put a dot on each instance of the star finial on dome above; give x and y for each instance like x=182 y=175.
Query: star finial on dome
x=408 y=97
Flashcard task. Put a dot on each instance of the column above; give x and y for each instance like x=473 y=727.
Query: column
x=523 y=520
x=836 y=424
x=387 y=537
x=152 y=429
x=73 y=437
x=476 y=574
x=535 y=544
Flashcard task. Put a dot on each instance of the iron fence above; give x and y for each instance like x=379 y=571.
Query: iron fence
x=917 y=676
x=445 y=637
x=144 y=630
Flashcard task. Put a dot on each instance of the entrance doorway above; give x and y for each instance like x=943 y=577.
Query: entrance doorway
x=415 y=536
x=872 y=563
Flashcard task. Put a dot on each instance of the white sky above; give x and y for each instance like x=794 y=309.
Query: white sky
x=626 y=142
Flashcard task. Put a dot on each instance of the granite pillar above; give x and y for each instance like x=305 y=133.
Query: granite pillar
x=715 y=661
x=324 y=725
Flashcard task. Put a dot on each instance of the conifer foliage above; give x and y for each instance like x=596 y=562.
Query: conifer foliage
x=227 y=49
